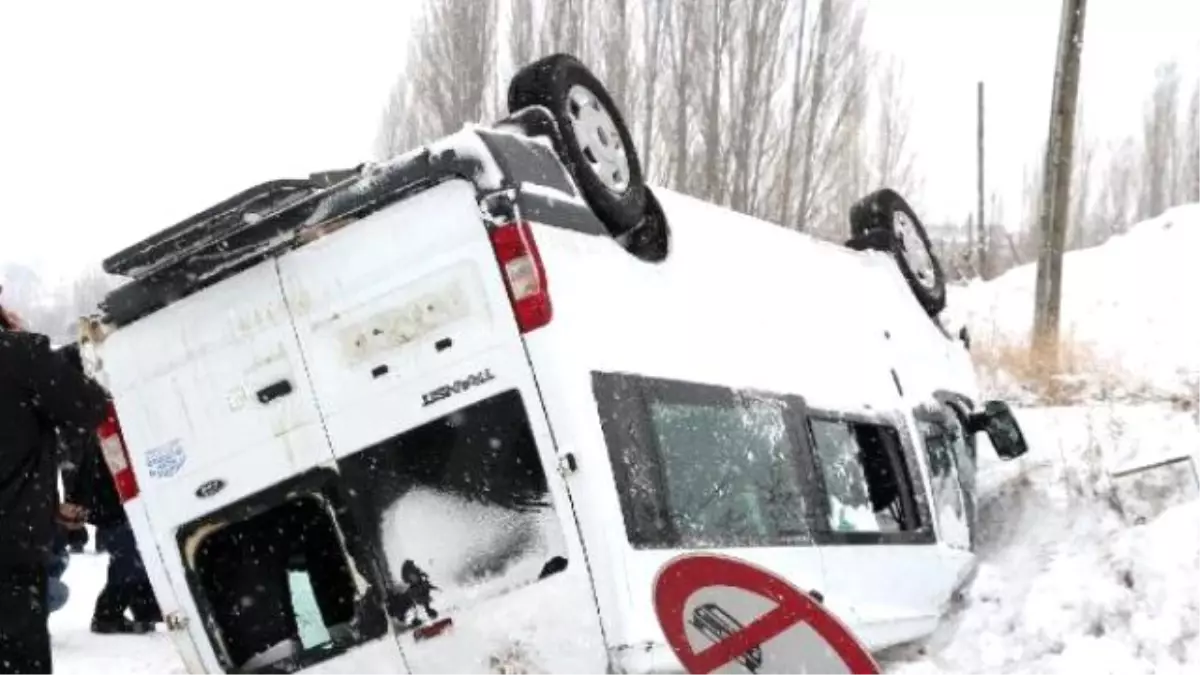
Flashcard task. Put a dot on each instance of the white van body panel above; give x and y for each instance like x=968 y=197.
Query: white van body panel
x=744 y=304
x=164 y=592
x=367 y=321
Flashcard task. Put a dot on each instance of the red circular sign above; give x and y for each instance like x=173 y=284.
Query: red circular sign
x=756 y=639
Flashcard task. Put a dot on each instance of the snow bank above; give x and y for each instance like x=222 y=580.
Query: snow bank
x=1066 y=581
x=1128 y=300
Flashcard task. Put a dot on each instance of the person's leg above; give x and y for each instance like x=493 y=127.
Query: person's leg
x=110 y=604
x=24 y=634
x=57 y=594
x=143 y=604
x=77 y=539
x=115 y=598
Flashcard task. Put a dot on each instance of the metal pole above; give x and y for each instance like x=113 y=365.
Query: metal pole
x=1057 y=180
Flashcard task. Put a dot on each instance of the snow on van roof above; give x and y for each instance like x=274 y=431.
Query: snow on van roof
x=464 y=145
x=749 y=304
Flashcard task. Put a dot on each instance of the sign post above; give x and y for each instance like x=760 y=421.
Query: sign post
x=722 y=615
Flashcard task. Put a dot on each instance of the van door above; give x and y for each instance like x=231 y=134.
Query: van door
x=878 y=546
x=440 y=436
x=951 y=474
x=217 y=413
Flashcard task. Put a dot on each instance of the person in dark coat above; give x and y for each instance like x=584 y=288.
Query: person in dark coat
x=40 y=395
x=76 y=537
x=95 y=492
x=127 y=586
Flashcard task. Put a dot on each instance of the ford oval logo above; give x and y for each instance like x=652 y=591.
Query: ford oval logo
x=210 y=488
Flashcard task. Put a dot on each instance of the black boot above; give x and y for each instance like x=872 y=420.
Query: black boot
x=120 y=626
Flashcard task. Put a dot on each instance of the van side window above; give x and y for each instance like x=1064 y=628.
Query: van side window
x=700 y=466
x=865 y=478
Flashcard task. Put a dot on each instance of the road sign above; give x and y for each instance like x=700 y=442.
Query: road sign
x=722 y=615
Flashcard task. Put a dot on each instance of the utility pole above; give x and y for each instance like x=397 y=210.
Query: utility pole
x=983 y=239
x=1057 y=181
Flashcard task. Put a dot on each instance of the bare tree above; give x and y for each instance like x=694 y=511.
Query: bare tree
x=1117 y=202
x=702 y=76
x=682 y=34
x=793 y=114
x=1079 y=230
x=654 y=22
x=832 y=160
x=893 y=158
x=565 y=27
x=1160 y=157
x=819 y=63
x=449 y=78
x=397 y=133
x=1191 y=170
x=523 y=43
x=756 y=59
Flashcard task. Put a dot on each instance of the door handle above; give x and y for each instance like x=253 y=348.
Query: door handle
x=273 y=391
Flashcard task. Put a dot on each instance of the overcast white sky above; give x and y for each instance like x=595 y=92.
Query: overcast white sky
x=118 y=118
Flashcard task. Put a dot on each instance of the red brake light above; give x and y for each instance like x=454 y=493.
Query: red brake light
x=524 y=275
x=112 y=445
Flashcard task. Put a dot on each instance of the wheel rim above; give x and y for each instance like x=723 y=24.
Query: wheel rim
x=915 y=253
x=596 y=132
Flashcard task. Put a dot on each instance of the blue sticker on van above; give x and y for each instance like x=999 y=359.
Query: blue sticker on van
x=166 y=460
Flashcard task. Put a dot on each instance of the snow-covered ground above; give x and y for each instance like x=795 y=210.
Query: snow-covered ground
x=78 y=651
x=1128 y=302
x=1078 y=572
x=1068 y=581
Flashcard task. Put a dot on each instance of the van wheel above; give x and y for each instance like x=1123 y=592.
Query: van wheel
x=883 y=221
x=593 y=140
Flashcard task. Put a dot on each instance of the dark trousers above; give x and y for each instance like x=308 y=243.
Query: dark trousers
x=24 y=635
x=127 y=586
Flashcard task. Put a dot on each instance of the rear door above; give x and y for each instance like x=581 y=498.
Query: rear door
x=435 y=420
x=221 y=422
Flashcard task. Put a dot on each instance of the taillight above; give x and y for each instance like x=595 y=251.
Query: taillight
x=112 y=445
x=524 y=274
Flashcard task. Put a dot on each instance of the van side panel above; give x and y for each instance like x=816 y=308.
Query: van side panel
x=745 y=306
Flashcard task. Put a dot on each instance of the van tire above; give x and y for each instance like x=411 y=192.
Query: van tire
x=608 y=174
x=883 y=221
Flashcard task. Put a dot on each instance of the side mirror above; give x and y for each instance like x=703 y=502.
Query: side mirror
x=1001 y=426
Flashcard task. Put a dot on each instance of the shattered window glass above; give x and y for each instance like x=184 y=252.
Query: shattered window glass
x=458 y=508
x=858 y=465
x=951 y=467
x=730 y=473
x=849 y=497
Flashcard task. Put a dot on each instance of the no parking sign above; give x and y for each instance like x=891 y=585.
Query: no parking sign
x=722 y=615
